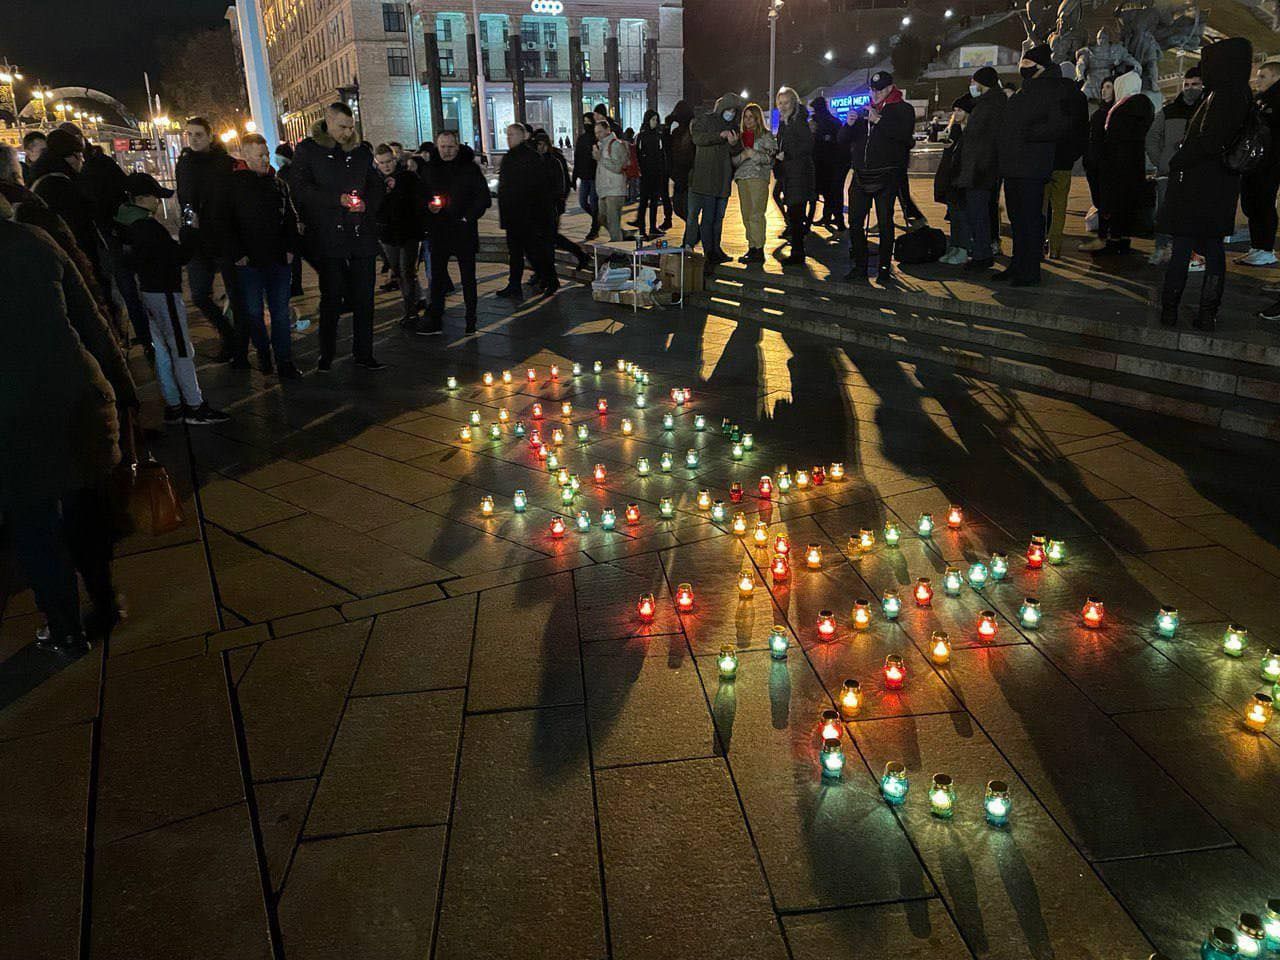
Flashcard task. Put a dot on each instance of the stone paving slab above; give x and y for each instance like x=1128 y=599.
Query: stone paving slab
x=419 y=648
x=282 y=810
x=917 y=930
x=522 y=821
x=683 y=879
x=243 y=569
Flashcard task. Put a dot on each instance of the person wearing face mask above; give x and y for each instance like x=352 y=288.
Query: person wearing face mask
x=654 y=154
x=1036 y=119
x=1258 y=187
x=879 y=138
x=716 y=141
x=1123 y=170
x=979 y=175
x=1163 y=136
x=1200 y=205
x=1069 y=149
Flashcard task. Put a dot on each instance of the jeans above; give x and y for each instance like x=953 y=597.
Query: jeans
x=1056 y=192
x=706 y=217
x=588 y=202
x=270 y=284
x=1162 y=187
x=348 y=280
x=440 y=254
x=200 y=274
x=403 y=258
x=52 y=540
x=961 y=232
x=175 y=356
x=1175 y=274
x=753 y=203
x=860 y=203
x=977 y=208
x=535 y=243
x=1024 y=198
x=1258 y=201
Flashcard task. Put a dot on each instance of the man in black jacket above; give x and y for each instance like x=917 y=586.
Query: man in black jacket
x=1069 y=149
x=337 y=193
x=584 y=173
x=457 y=197
x=527 y=212
x=879 y=139
x=262 y=241
x=202 y=171
x=830 y=164
x=1258 y=187
x=400 y=224
x=1036 y=119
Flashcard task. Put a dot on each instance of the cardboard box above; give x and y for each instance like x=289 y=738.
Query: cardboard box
x=669 y=273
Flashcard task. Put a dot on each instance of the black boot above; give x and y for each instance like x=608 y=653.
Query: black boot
x=1210 y=299
x=857 y=274
x=1171 y=298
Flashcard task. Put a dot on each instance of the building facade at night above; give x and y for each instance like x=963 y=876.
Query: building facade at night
x=409 y=69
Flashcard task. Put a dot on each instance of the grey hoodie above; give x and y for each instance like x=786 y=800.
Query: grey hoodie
x=712 y=163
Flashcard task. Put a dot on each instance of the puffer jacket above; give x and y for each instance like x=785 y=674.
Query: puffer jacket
x=1167 y=131
x=759 y=165
x=323 y=172
x=712 y=174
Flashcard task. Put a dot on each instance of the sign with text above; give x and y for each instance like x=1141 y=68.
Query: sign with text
x=842 y=104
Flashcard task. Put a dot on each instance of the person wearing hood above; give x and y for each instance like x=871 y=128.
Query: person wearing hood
x=337 y=192
x=612 y=155
x=794 y=161
x=751 y=171
x=946 y=189
x=1070 y=148
x=1124 y=166
x=202 y=171
x=979 y=175
x=1167 y=129
x=457 y=197
x=1200 y=204
x=1036 y=119
x=716 y=141
x=1259 y=186
x=584 y=174
x=830 y=164
x=680 y=146
x=654 y=155
x=878 y=139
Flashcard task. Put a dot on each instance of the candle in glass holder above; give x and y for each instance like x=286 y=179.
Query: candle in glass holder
x=641 y=401
x=506 y=376
x=996 y=804
x=924 y=526
x=699 y=422
x=735 y=492
x=1271 y=666
x=1250 y=935
x=642 y=466
x=952 y=582
x=781 y=544
x=739 y=524
x=599 y=473
x=895 y=672
x=666 y=508
x=1257 y=712
x=487 y=379
x=704 y=499
x=557 y=436
x=826 y=625
x=668 y=421
x=1029 y=613
x=549 y=456
x=684 y=597
x=627 y=427
x=999 y=566
x=717 y=511
x=978 y=574
x=495 y=431
x=818 y=475
x=519 y=429
x=536 y=412
x=608 y=519
x=784 y=482
x=503 y=414
x=532 y=374
x=735 y=451
x=748 y=441
x=832 y=759
x=940 y=648
x=464 y=433
x=850 y=699
x=632 y=513
x=942 y=796
x=923 y=592
x=1056 y=552
x=1234 y=640
x=1092 y=612
x=813 y=556
x=1167 y=621
x=802 y=479
x=1220 y=944
x=623 y=365
x=584 y=521
x=765 y=487
x=597 y=366
x=1271 y=924
x=894 y=784
x=691 y=458
x=891 y=604
x=451 y=383
x=666 y=461
x=602 y=405
x=746 y=584
x=519 y=501
x=557 y=527
x=727 y=662
x=566 y=495
x=955 y=516
x=535 y=437
x=830 y=725
x=779 y=641
x=987 y=625
x=486 y=506
x=761 y=535
x=861 y=615
x=891 y=533
x=577 y=369
x=780 y=569
x=835 y=470
x=646 y=608
x=1035 y=552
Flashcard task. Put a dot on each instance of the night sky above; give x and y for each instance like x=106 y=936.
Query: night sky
x=104 y=44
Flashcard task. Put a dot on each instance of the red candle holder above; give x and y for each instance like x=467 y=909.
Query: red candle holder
x=684 y=597
x=955 y=517
x=735 y=492
x=532 y=374
x=895 y=672
x=781 y=545
x=535 y=437
x=766 y=487
x=598 y=473
x=1035 y=552
x=543 y=452
x=633 y=513
x=826 y=625
x=557 y=527
x=987 y=625
x=602 y=405
x=819 y=474
x=780 y=568
x=1092 y=613
x=923 y=592
x=646 y=607
x=537 y=411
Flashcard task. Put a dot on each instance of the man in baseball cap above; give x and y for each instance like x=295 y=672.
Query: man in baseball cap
x=145 y=185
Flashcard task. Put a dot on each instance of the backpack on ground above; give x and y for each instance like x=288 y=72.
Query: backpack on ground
x=925 y=245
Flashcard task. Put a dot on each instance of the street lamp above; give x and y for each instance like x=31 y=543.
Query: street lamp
x=250 y=127
x=948 y=14
x=774 y=7
x=829 y=56
x=744 y=94
x=871 y=53
x=906 y=22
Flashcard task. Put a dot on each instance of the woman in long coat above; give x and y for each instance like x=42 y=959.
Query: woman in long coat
x=1122 y=170
x=795 y=169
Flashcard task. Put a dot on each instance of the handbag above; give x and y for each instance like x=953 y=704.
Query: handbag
x=146 y=495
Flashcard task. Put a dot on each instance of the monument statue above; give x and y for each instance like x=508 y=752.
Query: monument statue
x=1104 y=58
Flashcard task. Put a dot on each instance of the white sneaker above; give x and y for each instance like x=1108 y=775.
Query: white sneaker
x=1257 y=258
x=954 y=256
x=1196 y=265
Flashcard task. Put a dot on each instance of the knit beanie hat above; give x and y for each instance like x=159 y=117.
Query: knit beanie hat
x=987 y=76
x=1041 y=55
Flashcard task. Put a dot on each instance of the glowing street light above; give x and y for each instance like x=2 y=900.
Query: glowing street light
x=948 y=14
x=745 y=94
x=906 y=22
x=829 y=56
x=871 y=50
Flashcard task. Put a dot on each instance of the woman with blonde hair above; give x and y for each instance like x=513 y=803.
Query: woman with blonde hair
x=751 y=173
x=795 y=169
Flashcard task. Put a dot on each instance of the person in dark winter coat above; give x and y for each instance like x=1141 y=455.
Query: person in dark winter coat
x=1069 y=149
x=946 y=189
x=680 y=145
x=716 y=141
x=57 y=454
x=879 y=140
x=1124 y=166
x=1200 y=205
x=1163 y=136
x=401 y=221
x=654 y=156
x=337 y=193
x=284 y=170
x=830 y=165
x=262 y=241
x=980 y=164
x=1036 y=119
x=528 y=191
x=202 y=171
x=584 y=173
x=1259 y=186
x=57 y=182
x=794 y=166
x=560 y=172
x=457 y=197
x=1097 y=134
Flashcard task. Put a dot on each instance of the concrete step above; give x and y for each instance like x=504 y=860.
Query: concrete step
x=992 y=352
x=1209 y=372
x=1261 y=348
